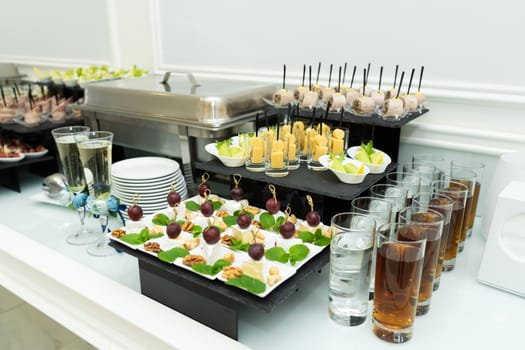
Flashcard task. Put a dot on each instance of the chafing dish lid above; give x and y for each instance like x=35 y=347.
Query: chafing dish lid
x=184 y=98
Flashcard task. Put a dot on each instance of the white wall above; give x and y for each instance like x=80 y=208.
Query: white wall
x=472 y=52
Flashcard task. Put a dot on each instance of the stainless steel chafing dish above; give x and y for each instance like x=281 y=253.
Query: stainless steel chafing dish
x=173 y=115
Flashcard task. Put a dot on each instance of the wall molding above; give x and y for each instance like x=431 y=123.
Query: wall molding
x=43 y=61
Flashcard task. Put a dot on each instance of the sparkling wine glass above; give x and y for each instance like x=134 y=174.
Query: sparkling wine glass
x=95 y=154
x=71 y=168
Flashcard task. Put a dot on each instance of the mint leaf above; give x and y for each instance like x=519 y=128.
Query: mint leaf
x=320 y=239
x=139 y=238
x=278 y=223
x=161 y=219
x=237 y=212
x=307 y=236
x=277 y=254
x=216 y=205
x=298 y=252
x=193 y=206
x=248 y=283
x=267 y=220
x=132 y=238
x=171 y=255
x=211 y=269
x=230 y=220
x=237 y=244
x=196 y=230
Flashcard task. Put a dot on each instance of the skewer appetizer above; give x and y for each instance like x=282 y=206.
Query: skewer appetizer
x=365 y=104
x=283 y=96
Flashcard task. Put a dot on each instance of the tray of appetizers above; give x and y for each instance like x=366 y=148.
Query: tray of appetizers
x=227 y=240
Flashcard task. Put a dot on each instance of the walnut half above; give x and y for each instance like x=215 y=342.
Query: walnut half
x=118 y=233
x=192 y=259
x=229 y=272
x=152 y=247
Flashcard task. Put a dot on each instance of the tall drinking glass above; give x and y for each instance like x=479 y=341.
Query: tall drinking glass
x=431 y=223
x=396 y=195
x=426 y=172
x=444 y=205
x=398 y=277
x=439 y=162
x=467 y=178
x=378 y=209
x=477 y=168
x=71 y=167
x=410 y=181
x=459 y=194
x=95 y=154
x=350 y=260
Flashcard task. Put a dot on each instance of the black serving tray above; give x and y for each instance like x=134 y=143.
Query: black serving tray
x=211 y=302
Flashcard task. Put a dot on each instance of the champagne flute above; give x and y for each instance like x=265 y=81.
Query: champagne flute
x=71 y=168
x=95 y=154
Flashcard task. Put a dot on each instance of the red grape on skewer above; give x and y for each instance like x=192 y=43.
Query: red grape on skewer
x=203 y=187
x=237 y=192
x=207 y=206
x=312 y=218
x=173 y=197
x=173 y=230
x=256 y=251
x=272 y=204
x=135 y=211
x=287 y=229
x=211 y=235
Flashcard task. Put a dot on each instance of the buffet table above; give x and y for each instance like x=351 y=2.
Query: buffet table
x=99 y=298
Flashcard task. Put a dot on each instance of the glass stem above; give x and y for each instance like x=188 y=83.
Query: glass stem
x=103 y=219
x=82 y=215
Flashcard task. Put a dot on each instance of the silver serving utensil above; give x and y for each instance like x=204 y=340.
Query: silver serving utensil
x=54 y=184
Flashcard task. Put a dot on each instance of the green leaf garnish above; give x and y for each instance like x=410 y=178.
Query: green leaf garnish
x=196 y=230
x=278 y=222
x=248 y=283
x=211 y=269
x=171 y=255
x=267 y=220
x=306 y=236
x=193 y=206
x=368 y=148
x=238 y=244
x=298 y=252
x=161 y=220
x=216 y=205
x=237 y=212
x=230 y=220
x=316 y=238
x=277 y=254
x=139 y=238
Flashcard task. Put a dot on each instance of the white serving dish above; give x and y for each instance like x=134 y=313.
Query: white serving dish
x=374 y=168
x=343 y=176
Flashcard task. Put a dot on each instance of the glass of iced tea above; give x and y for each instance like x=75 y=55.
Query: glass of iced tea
x=442 y=204
x=467 y=178
x=400 y=251
x=459 y=194
x=477 y=168
x=431 y=223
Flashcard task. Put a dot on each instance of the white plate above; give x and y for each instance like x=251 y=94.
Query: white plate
x=171 y=177
x=144 y=168
x=343 y=176
x=12 y=159
x=35 y=154
x=231 y=162
x=374 y=168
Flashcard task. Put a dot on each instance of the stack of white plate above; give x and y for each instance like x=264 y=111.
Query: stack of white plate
x=149 y=177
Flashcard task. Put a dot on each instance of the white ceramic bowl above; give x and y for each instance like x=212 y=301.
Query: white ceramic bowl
x=343 y=176
x=230 y=162
x=374 y=168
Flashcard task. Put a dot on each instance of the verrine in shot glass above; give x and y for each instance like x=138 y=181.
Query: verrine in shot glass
x=442 y=204
x=351 y=251
x=399 y=263
x=459 y=193
x=430 y=222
